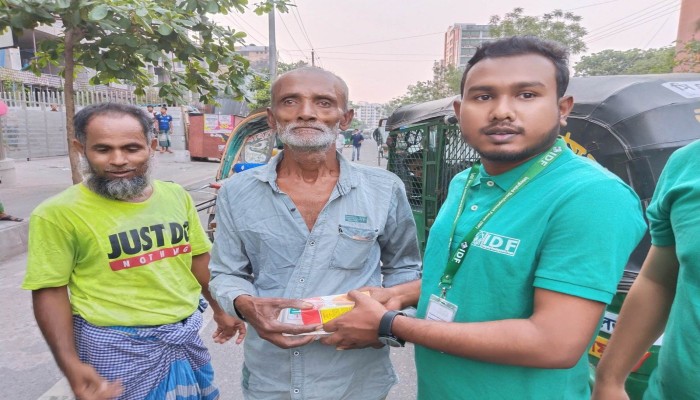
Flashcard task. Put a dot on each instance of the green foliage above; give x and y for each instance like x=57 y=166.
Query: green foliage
x=560 y=26
x=117 y=38
x=445 y=83
x=627 y=62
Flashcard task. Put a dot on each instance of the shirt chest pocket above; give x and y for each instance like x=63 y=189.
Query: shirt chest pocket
x=353 y=247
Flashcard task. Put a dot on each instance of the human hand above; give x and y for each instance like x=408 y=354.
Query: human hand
x=226 y=328
x=358 y=328
x=262 y=313
x=385 y=296
x=609 y=391
x=87 y=384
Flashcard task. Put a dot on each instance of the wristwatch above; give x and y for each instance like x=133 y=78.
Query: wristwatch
x=385 y=335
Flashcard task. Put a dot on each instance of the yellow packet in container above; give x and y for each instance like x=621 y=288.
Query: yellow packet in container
x=325 y=308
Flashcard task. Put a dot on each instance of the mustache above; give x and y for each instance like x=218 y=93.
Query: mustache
x=499 y=127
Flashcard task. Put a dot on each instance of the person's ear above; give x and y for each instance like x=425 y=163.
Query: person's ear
x=271 y=122
x=347 y=119
x=566 y=103
x=78 y=147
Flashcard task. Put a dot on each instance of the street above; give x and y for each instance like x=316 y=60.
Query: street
x=27 y=367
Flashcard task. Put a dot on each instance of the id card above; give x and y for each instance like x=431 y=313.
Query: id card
x=440 y=309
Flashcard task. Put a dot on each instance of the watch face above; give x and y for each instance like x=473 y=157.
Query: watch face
x=391 y=341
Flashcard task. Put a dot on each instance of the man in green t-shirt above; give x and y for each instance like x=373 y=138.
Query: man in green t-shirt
x=525 y=252
x=116 y=266
x=665 y=295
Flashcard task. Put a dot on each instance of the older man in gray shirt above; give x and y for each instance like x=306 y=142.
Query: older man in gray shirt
x=309 y=224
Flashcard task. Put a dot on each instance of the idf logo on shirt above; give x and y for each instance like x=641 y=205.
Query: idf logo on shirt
x=496 y=243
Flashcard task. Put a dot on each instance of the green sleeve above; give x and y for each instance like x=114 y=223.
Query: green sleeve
x=589 y=240
x=51 y=257
x=198 y=238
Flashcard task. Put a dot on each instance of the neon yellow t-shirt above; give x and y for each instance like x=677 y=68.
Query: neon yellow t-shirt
x=125 y=263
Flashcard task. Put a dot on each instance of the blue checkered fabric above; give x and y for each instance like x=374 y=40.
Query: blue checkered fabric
x=153 y=363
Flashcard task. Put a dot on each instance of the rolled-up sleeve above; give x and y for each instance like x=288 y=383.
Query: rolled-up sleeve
x=231 y=273
x=401 y=261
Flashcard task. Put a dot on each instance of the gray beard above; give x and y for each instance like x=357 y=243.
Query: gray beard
x=116 y=189
x=313 y=144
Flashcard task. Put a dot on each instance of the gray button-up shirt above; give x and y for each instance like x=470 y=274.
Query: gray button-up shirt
x=364 y=236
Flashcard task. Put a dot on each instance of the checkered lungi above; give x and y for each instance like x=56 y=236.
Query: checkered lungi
x=153 y=363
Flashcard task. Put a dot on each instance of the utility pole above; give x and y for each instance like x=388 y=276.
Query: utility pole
x=273 y=44
x=313 y=58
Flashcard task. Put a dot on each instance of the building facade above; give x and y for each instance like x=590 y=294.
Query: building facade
x=368 y=113
x=461 y=41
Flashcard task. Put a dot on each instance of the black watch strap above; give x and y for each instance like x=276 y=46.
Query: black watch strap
x=386 y=321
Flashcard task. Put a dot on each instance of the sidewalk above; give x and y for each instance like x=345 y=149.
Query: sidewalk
x=39 y=179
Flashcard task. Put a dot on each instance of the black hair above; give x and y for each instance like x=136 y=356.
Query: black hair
x=521 y=45
x=84 y=116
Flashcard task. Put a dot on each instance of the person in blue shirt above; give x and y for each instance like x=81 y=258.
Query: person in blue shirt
x=165 y=126
x=307 y=224
x=357 y=140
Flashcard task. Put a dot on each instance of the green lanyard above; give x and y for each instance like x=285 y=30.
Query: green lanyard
x=455 y=261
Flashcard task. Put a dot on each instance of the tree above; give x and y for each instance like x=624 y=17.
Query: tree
x=688 y=56
x=445 y=83
x=117 y=38
x=560 y=26
x=627 y=62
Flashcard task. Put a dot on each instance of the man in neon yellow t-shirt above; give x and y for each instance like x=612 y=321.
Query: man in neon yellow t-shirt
x=117 y=264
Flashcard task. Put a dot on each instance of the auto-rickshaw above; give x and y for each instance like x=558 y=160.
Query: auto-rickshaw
x=629 y=124
x=252 y=143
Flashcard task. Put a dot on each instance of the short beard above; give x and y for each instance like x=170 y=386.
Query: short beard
x=123 y=189
x=526 y=153
x=318 y=143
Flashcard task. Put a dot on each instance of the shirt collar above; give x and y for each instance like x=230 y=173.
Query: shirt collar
x=347 y=180
x=508 y=178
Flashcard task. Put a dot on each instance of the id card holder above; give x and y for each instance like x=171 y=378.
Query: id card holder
x=440 y=309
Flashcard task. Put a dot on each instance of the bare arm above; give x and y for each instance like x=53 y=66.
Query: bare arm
x=555 y=336
x=53 y=314
x=396 y=297
x=227 y=325
x=641 y=321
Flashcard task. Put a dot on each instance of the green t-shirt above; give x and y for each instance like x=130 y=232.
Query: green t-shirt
x=126 y=264
x=570 y=230
x=674 y=219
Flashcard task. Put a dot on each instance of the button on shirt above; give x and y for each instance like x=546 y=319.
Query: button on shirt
x=364 y=236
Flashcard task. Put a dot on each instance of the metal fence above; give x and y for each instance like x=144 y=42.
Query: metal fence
x=35 y=125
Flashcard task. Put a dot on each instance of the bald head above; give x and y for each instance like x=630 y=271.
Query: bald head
x=313 y=74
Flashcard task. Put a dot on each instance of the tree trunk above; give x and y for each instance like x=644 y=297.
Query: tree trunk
x=72 y=37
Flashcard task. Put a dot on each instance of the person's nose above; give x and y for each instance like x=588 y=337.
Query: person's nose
x=307 y=111
x=502 y=109
x=118 y=158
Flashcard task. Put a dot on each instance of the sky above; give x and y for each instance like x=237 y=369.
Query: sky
x=379 y=47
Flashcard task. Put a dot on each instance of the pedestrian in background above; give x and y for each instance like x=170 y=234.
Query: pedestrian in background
x=165 y=126
x=309 y=224
x=664 y=295
x=357 y=140
x=523 y=255
x=134 y=256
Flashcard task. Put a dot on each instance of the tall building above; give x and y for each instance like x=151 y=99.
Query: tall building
x=461 y=41
x=368 y=113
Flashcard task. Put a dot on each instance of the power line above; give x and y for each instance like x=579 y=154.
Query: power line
x=614 y=24
x=300 y=22
x=266 y=40
x=238 y=25
x=290 y=33
x=631 y=25
x=375 y=59
x=591 y=5
x=657 y=32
